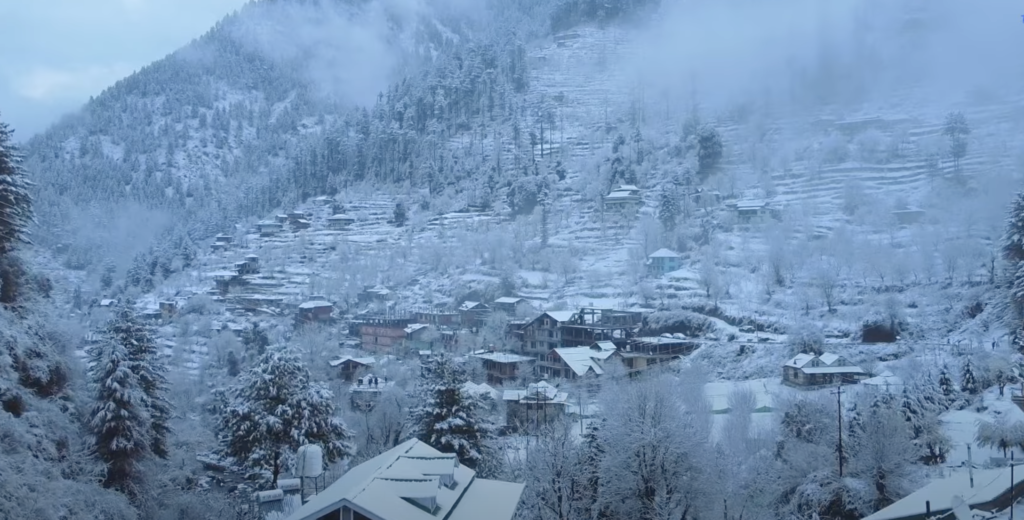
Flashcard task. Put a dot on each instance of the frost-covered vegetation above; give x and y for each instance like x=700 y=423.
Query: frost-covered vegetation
x=815 y=196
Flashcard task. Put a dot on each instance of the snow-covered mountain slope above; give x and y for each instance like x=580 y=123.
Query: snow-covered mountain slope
x=229 y=109
x=838 y=177
x=836 y=170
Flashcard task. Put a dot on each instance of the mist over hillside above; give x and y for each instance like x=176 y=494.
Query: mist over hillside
x=757 y=194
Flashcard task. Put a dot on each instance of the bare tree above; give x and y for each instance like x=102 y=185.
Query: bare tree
x=657 y=469
x=826 y=277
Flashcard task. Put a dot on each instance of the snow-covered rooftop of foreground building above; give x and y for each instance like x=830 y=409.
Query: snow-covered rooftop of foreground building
x=584 y=359
x=989 y=484
x=503 y=357
x=415 y=482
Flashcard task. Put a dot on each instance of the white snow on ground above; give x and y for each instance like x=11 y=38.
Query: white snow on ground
x=961 y=426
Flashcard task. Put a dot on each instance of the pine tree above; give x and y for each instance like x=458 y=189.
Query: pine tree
x=107 y=278
x=144 y=361
x=968 y=381
x=76 y=298
x=946 y=386
x=15 y=201
x=450 y=419
x=399 y=216
x=118 y=418
x=709 y=149
x=255 y=340
x=668 y=209
x=274 y=409
x=1013 y=239
x=234 y=368
x=1013 y=254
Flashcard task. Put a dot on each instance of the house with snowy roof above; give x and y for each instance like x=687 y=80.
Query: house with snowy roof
x=347 y=366
x=543 y=333
x=340 y=221
x=473 y=314
x=988 y=490
x=749 y=209
x=644 y=352
x=315 y=311
x=807 y=370
x=268 y=228
x=623 y=198
x=513 y=306
x=421 y=336
x=540 y=403
x=663 y=261
x=412 y=481
x=504 y=366
x=577 y=362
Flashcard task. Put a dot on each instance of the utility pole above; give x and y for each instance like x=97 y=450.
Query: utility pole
x=839 y=404
x=1012 y=482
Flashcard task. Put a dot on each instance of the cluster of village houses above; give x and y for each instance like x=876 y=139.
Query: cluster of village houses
x=545 y=347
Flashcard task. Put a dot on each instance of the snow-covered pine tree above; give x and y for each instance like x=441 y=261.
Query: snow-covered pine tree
x=450 y=419
x=1013 y=254
x=968 y=380
x=274 y=409
x=118 y=418
x=234 y=367
x=107 y=278
x=912 y=411
x=144 y=361
x=668 y=209
x=15 y=201
x=399 y=217
x=15 y=215
x=709 y=149
x=946 y=386
x=1013 y=239
x=255 y=340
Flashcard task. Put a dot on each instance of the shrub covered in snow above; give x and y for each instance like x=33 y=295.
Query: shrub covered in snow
x=677 y=321
x=807 y=337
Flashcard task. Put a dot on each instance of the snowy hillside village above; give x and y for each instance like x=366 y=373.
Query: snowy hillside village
x=556 y=265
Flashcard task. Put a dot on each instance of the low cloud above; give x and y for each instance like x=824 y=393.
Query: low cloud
x=809 y=51
x=53 y=84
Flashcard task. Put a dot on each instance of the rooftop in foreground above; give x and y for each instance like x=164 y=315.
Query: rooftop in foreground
x=414 y=482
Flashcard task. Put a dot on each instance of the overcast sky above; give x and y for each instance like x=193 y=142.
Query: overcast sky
x=57 y=53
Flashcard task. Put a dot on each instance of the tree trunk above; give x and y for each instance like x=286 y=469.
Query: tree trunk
x=277 y=468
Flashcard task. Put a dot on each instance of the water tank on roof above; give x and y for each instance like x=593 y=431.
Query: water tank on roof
x=273 y=495
x=310 y=461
